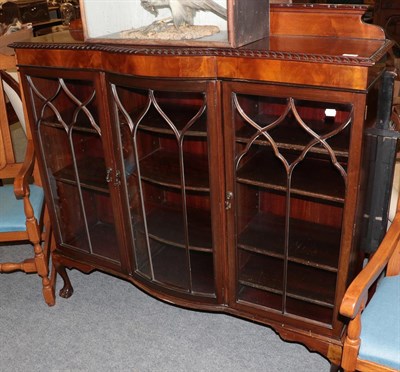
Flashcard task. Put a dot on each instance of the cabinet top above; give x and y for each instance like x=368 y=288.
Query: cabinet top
x=334 y=37
x=308 y=32
x=289 y=47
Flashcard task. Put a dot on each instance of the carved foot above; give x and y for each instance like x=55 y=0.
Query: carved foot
x=66 y=291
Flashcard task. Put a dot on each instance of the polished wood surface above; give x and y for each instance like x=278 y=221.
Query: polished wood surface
x=323 y=20
x=341 y=53
x=283 y=67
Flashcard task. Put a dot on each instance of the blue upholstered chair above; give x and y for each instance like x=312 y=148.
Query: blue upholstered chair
x=22 y=210
x=373 y=336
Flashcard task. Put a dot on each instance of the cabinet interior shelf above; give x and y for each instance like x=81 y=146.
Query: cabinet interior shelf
x=310 y=244
x=165 y=225
x=81 y=127
x=179 y=116
x=311 y=178
x=102 y=236
x=163 y=168
x=312 y=289
x=171 y=270
x=290 y=295
x=295 y=138
x=91 y=172
x=251 y=295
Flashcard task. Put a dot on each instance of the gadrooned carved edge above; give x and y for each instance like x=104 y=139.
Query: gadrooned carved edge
x=360 y=7
x=221 y=52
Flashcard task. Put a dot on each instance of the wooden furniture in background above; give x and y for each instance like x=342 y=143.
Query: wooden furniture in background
x=228 y=180
x=384 y=10
x=22 y=210
x=387 y=15
x=27 y=11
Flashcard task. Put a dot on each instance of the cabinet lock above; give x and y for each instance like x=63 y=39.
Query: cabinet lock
x=228 y=200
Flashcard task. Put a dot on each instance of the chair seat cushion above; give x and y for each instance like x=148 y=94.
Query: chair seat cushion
x=380 y=325
x=12 y=215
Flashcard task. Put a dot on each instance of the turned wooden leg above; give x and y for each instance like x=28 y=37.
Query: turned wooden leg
x=50 y=246
x=53 y=272
x=41 y=258
x=352 y=344
x=42 y=269
x=66 y=291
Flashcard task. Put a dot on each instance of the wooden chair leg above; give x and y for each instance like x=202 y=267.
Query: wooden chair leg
x=53 y=271
x=352 y=345
x=40 y=258
x=46 y=234
x=42 y=270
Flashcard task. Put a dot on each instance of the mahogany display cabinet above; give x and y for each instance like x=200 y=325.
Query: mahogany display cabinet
x=228 y=180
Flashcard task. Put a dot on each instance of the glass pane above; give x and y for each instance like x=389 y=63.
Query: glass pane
x=291 y=171
x=165 y=151
x=71 y=142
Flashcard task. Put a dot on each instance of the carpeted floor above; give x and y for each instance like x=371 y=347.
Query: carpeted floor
x=109 y=325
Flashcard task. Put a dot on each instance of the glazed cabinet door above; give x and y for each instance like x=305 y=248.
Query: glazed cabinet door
x=168 y=131
x=287 y=174
x=70 y=131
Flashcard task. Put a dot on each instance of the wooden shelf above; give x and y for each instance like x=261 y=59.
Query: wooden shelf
x=310 y=244
x=179 y=115
x=78 y=128
x=293 y=137
x=267 y=274
x=165 y=224
x=310 y=284
x=307 y=310
x=312 y=178
x=171 y=269
x=253 y=296
x=102 y=236
x=162 y=168
x=264 y=234
x=91 y=172
x=261 y=272
x=82 y=124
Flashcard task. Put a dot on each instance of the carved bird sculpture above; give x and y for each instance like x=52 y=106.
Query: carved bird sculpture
x=183 y=11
